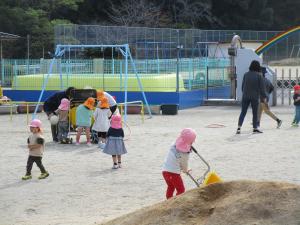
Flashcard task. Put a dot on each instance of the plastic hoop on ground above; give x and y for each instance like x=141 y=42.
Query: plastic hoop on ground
x=215 y=125
x=128 y=136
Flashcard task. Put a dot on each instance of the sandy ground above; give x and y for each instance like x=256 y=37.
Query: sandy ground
x=83 y=189
x=224 y=203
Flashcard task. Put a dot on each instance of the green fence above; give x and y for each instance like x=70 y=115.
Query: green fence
x=109 y=74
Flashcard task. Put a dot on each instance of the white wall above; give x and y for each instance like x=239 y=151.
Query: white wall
x=221 y=50
x=242 y=61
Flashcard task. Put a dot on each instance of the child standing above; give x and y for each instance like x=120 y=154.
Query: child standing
x=101 y=124
x=177 y=161
x=115 y=144
x=84 y=113
x=296 y=98
x=63 y=120
x=36 y=144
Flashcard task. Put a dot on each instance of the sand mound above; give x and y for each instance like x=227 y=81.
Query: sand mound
x=237 y=202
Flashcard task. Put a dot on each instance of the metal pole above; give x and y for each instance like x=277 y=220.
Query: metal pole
x=177 y=70
x=282 y=87
x=177 y=63
x=45 y=82
x=206 y=82
x=139 y=81
x=290 y=86
x=275 y=88
x=1 y=49
x=126 y=83
x=28 y=53
x=1 y=64
x=297 y=76
x=28 y=41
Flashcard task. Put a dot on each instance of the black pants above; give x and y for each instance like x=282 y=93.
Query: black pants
x=54 y=131
x=245 y=104
x=38 y=161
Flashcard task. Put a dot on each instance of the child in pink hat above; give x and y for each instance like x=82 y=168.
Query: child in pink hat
x=115 y=144
x=63 y=120
x=177 y=161
x=36 y=144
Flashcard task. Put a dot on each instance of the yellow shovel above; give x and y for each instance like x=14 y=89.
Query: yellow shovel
x=209 y=177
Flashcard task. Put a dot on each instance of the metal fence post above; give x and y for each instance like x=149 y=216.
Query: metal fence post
x=290 y=84
x=275 y=88
x=297 y=76
x=179 y=47
x=282 y=87
x=207 y=82
x=190 y=74
x=2 y=73
x=15 y=74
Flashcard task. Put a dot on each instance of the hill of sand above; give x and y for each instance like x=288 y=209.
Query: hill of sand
x=228 y=203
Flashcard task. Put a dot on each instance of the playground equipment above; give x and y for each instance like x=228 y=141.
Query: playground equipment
x=125 y=51
x=276 y=39
x=133 y=107
x=240 y=59
x=14 y=107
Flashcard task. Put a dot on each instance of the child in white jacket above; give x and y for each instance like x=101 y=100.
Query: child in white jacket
x=102 y=124
x=177 y=161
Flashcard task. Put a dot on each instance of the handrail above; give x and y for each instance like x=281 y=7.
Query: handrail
x=134 y=103
x=16 y=103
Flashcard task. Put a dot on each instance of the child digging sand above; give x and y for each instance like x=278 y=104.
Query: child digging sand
x=177 y=161
x=36 y=144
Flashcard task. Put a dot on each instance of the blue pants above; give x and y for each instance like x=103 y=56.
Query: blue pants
x=63 y=130
x=245 y=104
x=297 y=117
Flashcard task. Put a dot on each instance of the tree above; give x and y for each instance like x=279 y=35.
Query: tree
x=286 y=14
x=34 y=18
x=193 y=13
x=137 y=13
x=243 y=14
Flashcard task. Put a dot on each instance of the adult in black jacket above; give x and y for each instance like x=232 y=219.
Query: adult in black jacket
x=253 y=89
x=51 y=104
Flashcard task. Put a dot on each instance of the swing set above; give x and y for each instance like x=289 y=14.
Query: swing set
x=123 y=49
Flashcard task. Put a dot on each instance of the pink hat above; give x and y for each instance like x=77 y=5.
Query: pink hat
x=64 y=104
x=185 y=140
x=36 y=123
x=116 y=122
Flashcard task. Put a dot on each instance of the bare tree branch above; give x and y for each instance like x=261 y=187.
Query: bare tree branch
x=137 y=13
x=194 y=12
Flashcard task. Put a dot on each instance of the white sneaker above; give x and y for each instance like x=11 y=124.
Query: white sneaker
x=101 y=145
x=89 y=144
x=115 y=166
x=77 y=143
x=120 y=165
